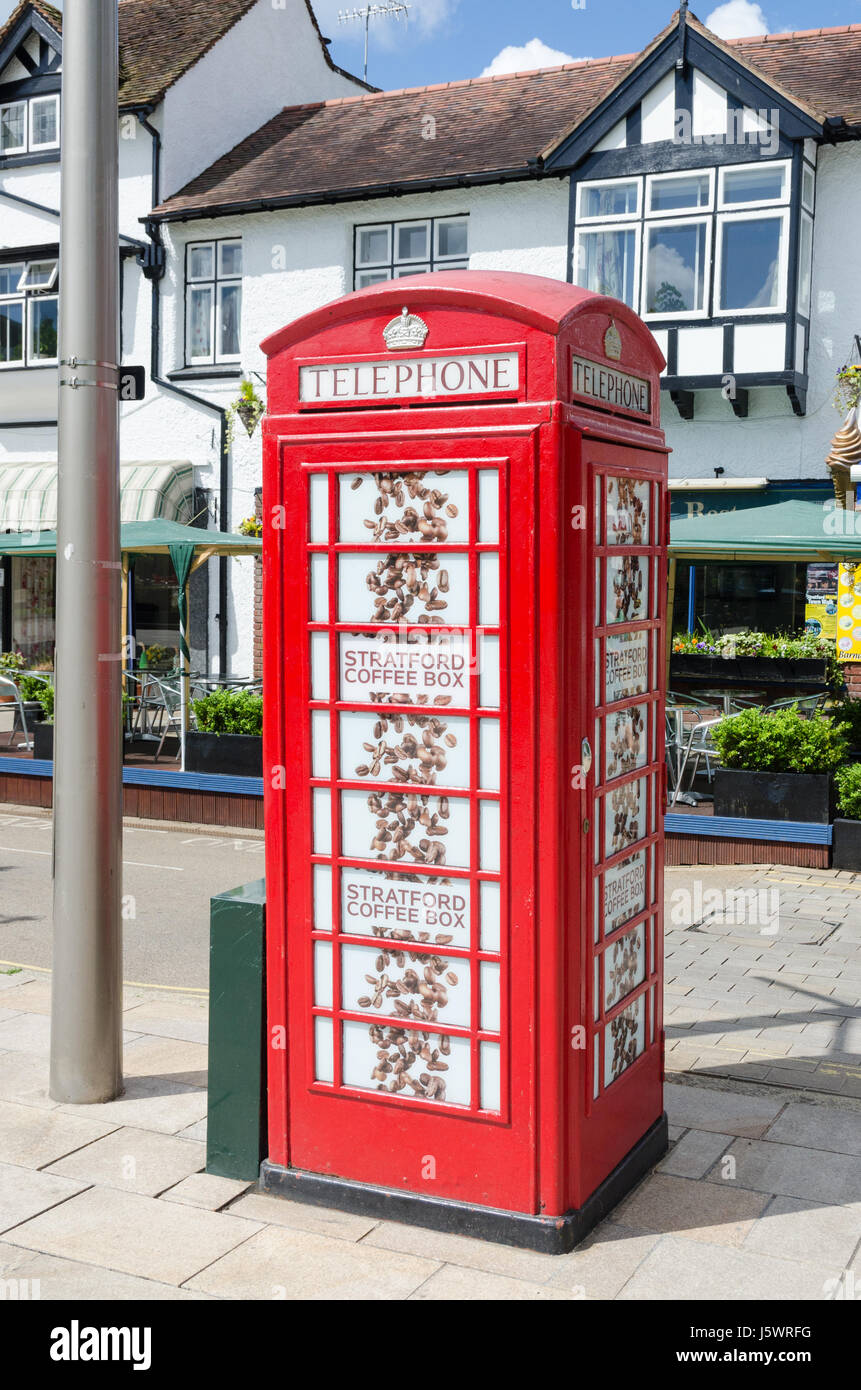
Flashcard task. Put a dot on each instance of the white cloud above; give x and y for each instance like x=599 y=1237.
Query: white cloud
x=534 y=54
x=737 y=19
x=425 y=18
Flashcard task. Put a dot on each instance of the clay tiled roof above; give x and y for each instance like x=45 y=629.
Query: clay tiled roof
x=484 y=129
x=161 y=39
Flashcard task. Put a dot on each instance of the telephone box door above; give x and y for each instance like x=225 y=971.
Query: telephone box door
x=410 y=988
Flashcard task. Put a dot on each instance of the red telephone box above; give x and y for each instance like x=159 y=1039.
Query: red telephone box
x=465 y=511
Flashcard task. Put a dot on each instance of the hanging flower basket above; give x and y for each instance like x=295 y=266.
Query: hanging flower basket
x=249 y=408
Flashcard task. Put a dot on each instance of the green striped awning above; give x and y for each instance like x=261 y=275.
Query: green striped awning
x=28 y=493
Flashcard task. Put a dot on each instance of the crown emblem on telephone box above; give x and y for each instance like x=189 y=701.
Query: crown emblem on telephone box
x=406 y=331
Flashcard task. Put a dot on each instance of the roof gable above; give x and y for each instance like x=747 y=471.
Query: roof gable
x=30 y=18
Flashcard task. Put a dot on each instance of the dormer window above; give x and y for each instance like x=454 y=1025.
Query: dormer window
x=30 y=127
x=28 y=313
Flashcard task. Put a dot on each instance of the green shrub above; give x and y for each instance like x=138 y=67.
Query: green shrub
x=849 y=791
x=10 y=662
x=229 y=712
x=781 y=741
x=848 y=712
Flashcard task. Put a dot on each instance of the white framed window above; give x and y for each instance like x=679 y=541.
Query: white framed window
x=676 y=257
x=13 y=128
x=393 y=250
x=691 y=190
x=44 y=122
x=28 y=315
x=213 y=301
x=805 y=264
x=751 y=262
x=607 y=261
x=744 y=185
x=608 y=200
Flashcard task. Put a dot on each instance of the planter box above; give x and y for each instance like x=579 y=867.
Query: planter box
x=800 y=796
x=233 y=755
x=750 y=670
x=846 y=845
x=43 y=744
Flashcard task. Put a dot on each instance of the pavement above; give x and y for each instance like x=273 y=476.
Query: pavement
x=758 y=1198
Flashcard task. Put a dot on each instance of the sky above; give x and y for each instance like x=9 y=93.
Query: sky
x=446 y=40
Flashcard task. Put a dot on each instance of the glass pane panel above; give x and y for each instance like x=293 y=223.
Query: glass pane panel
x=378 y=592
x=675 y=268
x=320 y=759
x=490 y=1002
x=322 y=805
x=609 y=199
x=624 y=966
x=488 y=506
x=319 y=666
x=412 y=241
x=488 y=732
x=373 y=245
x=43 y=329
x=11 y=332
x=318 y=490
x=201 y=262
x=403 y=271
x=606 y=263
x=319 y=588
x=490 y=1075
x=757 y=185
x=488 y=589
x=370 y=277
x=490 y=904
x=624 y=1040
x=626 y=665
x=488 y=671
x=422 y=986
x=40 y=275
x=322 y=897
x=627 y=588
x=43 y=122
x=405 y=907
x=403 y=508
x=9 y=277
x=750 y=263
x=452 y=238
x=421 y=1064
x=627 y=512
x=230 y=316
x=323 y=974
x=324 y=1050
x=489 y=853
x=673 y=194
x=625 y=741
x=624 y=816
x=419 y=829
x=804 y=258
x=808 y=183
x=229 y=258
x=199 y=330
x=407 y=666
x=13 y=122
x=423 y=749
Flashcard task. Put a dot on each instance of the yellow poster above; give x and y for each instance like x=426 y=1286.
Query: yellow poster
x=820 y=609
x=849 y=611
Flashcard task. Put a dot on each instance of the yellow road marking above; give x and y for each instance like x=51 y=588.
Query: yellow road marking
x=128 y=984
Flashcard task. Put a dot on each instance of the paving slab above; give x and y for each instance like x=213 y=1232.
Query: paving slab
x=301 y=1216
x=695 y=1154
x=817 y=1127
x=452 y=1284
x=725 y=1112
x=48 y=1279
x=603 y=1264
x=682 y=1270
x=134 y=1160
x=25 y=1192
x=205 y=1190
x=790 y=1171
x=687 y=1208
x=132 y=1234
x=33 y=1137
x=793 y=1229
x=451 y=1249
x=280 y=1263
x=170 y=1058
x=151 y=1102
x=24 y=1080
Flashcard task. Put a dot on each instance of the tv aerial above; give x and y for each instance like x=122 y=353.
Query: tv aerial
x=393 y=9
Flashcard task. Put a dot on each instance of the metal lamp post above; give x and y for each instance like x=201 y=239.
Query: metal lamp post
x=86 y=1055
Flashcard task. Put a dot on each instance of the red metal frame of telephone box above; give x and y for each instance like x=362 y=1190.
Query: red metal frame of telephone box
x=570 y=1128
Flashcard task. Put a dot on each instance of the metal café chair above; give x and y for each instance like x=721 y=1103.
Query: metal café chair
x=19 y=722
